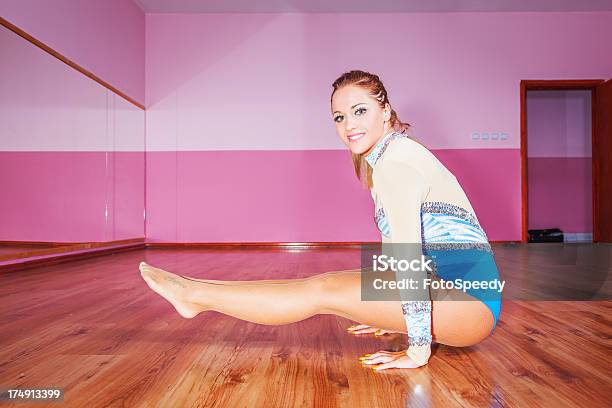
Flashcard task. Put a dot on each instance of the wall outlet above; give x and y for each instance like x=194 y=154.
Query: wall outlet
x=489 y=135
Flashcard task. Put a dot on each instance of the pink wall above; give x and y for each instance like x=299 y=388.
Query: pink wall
x=63 y=196
x=241 y=146
x=240 y=142
x=104 y=37
x=559 y=123
x=559 y=160
x=560 y=194
x=255 y=196
x=71 y=152
x=297 y=196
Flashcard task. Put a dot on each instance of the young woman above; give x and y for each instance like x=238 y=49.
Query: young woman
x=417 y=202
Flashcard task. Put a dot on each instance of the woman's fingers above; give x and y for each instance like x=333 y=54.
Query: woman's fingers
x=368 y=357
x=358 y=327
x=398 y=362
x=378 y=359
x=383 y=360
x=365 y=329
x=361 y=328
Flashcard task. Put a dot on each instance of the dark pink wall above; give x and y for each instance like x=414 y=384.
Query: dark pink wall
x=300 y=196
x=560 y=193
x=71 y=196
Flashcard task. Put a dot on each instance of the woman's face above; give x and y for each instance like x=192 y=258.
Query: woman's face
x=359 y=119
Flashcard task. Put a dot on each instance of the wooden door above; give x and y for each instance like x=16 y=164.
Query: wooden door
x=602 y=163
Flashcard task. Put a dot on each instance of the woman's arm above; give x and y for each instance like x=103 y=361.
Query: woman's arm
x=402 y=188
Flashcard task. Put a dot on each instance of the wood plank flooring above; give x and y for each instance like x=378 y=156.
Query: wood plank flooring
x=96 y=329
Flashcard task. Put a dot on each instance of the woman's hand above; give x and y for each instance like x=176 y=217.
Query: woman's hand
x=365 y=329
x=390 y=359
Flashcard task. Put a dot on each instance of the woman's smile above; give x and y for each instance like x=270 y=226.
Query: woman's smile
x=355 y=136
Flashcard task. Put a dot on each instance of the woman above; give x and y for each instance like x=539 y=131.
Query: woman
x=418 y=202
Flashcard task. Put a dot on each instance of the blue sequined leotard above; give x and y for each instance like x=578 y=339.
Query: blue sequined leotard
x=435 y=212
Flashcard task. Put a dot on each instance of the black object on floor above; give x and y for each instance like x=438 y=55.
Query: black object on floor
x=545 y=235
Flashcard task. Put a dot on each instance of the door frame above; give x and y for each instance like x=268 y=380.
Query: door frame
x=578 y=84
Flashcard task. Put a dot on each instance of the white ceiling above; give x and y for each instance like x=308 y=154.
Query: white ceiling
x=364 y=6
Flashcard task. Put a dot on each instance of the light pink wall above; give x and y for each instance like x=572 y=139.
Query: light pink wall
x=559 y=160
x=559 y=123
x=71 y=152
x=246 y=93
x=104 y=37
x=449 y=74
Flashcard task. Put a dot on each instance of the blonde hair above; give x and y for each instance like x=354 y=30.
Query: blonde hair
x=375 y=87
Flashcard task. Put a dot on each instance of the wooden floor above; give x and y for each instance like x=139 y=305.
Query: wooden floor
x=21 y=250
x=96 y=329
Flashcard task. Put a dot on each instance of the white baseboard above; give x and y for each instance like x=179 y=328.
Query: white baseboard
x=577 y=237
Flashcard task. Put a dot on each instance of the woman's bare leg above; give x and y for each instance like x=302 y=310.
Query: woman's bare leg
x=282 y=302
x=264 y=281
x=295 y=300
x=356 y=329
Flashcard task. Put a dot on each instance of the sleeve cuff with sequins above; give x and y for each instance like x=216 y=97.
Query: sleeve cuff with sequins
x=418 y=321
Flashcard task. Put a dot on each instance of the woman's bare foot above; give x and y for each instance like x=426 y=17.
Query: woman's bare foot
x=174 y=288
